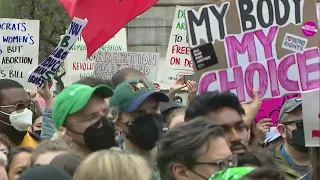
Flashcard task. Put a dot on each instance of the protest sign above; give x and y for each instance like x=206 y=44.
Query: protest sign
x=270 y=108
x=79 y=66
x=239 y=45
x=311 y=117
x=19 y=48
x=108 y=63
x=178 y=59
x=47 y=69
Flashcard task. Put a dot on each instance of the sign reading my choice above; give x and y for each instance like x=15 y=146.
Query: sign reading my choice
x=247 y=49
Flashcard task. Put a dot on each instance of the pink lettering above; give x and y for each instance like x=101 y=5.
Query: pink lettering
x=263 y=79
x=237 y=84
x=234 y=46
x=267 y=41
x=305 y=69
x=274 y=80
x=206 y=81
x=285 y=64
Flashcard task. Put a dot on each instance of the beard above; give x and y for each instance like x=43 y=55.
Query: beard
x=15 y=136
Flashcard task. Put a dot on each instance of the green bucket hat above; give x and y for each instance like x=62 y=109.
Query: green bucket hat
x=129 y=95
x=75 y=98
x=236 y=173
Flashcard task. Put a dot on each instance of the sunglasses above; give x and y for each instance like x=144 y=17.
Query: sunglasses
x=18 y=106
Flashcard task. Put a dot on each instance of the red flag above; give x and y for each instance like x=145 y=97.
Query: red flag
x=105 y=17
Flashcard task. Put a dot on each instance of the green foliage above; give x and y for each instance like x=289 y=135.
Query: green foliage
x=52 y=16
x=53 y=22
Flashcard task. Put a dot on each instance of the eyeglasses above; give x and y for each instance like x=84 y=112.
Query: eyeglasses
x=223 y=164
x=18 y=107
x=299 y=123
x=113 y=114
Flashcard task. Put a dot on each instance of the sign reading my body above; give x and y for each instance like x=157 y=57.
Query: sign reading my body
x=252 y=15
x=276 y=72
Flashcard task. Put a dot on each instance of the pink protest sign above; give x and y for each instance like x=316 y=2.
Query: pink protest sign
x=271 y=108
x=239 y=50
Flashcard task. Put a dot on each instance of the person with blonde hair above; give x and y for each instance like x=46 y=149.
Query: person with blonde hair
x=113 y=164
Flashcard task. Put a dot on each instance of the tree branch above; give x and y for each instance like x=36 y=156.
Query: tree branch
x=49 y=41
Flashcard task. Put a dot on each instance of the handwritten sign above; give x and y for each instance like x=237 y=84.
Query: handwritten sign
x=19 y=48
x=178 y=59
x=237 y=46
x=311 y=117
x=47 y=69
x=79 y=66
x=108 y=63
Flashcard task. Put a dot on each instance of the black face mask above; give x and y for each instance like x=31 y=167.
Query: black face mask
x=38 y=132
x=298 y=141
x=145 y=131
x=16 y=137
x=100 y=135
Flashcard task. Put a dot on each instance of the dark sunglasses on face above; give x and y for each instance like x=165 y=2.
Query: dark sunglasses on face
x=299 y=123
x=18 y=106
x=223 y=164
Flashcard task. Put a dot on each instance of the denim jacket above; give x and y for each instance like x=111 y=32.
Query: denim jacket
x=48 y=128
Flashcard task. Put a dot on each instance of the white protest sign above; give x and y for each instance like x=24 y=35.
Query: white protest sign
x=47 y=69
x=108 y=63
x=178 y=59
x=311 y=117
x=79 y=66
x=19 y=49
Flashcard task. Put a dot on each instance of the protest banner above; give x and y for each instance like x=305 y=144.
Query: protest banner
x=79 y=66
x=19 y=48
x=178 y=59
x=311 y=117
x=270 y=45
x=47 y=69
x=108 y=63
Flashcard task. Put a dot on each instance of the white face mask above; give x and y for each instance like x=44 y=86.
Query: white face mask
x=20 y=121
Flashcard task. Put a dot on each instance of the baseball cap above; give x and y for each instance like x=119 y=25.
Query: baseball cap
x=167 y=106
x=289 y=106
x=129 y=95
x=272 y=135
x=75 y=98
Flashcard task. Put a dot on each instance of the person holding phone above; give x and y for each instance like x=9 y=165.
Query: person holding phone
x=180 y=83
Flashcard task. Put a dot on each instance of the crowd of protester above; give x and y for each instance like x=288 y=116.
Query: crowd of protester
x=125 y=128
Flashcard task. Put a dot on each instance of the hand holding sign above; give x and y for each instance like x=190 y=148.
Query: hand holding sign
x=48 y=68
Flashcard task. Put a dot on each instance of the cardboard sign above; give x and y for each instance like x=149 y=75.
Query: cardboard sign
x=19 y=49
x=79 y=66
x=311 y=118
x=47 y=69
x=178 y=59
x=237 y=45
x=108 y=63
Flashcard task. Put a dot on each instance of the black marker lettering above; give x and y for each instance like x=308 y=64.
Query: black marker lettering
x=260 y=17
x=193 y=20
x=297 y=11
x=220 y=17
x=245 y=8
x=282 y=20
